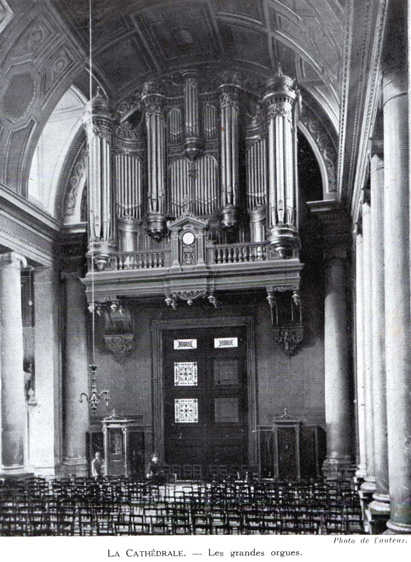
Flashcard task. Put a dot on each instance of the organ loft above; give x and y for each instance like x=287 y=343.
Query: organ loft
x=204 y=254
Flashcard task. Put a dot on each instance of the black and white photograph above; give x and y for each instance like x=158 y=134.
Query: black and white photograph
x=205 y=279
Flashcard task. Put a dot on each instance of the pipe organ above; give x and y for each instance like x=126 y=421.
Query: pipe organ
x=190 y=146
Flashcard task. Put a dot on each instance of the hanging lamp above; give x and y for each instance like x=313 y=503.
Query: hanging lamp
x=94 y=397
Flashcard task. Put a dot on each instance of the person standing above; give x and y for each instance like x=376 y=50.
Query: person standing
x=97 y=466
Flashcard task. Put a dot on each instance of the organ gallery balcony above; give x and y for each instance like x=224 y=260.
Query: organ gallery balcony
x=188 y=265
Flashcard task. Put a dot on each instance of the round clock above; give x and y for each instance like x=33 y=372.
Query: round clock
x=188 y=238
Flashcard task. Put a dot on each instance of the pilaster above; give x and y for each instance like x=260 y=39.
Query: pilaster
x=13 y=404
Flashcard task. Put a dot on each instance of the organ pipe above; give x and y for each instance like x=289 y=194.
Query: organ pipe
x=156 y=160
x=281 y=105
x=174 y=125
x=192 y=125
x=99 y=123
x=256 y=164
x=205 y=186
x=179 y=186
x=128 y=174
x=209 y=121
x=229 y=107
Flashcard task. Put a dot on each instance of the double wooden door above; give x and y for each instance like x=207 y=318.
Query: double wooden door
x=205 y=397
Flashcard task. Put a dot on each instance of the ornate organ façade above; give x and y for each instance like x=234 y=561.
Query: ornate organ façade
x=211 y=150
x=193 y=192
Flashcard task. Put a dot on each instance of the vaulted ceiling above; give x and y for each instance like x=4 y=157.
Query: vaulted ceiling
x=136 y=39
x=329 y=46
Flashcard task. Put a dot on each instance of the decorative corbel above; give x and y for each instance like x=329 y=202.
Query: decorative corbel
x=289 y=337
x=118 y=330
x=121 y=345
x=286 y=319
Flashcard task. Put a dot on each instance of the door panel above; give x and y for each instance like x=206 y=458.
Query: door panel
x=205 y=397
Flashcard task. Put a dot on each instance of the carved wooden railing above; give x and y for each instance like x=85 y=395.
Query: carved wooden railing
x=146 y=259
x=247 y=252
x=238 y=253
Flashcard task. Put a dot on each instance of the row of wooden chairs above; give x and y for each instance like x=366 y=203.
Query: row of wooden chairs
x=69 y=518
x=117 y=505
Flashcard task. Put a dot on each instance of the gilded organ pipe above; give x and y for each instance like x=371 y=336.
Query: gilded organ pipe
x=281 y=105
x=99 y=123
x=229 y=107
x=156 y=161
x=192 y=124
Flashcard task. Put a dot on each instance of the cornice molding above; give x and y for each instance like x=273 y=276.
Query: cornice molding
x=344 y=92
x=372 y=106
x=33 y=214
x=362 y=67
x=27 y=229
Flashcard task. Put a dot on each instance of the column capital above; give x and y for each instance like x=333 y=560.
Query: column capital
x=12 y=259
x=335 y=222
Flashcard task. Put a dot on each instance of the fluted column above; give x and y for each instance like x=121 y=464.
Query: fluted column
x=98 y=122
x=45 y=419
x=156 y=160
x=280 y=102
x=191 y=117
x=229 y=108
x=338 y=462
x=380 y=506
x=76 y=418
x=13 y=404
x=360 y=378
x=369 y=484
x=397 y=269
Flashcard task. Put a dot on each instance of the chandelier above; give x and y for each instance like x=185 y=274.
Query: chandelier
x=93 y=397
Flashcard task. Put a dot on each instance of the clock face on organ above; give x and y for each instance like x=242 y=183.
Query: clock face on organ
x=188 y=238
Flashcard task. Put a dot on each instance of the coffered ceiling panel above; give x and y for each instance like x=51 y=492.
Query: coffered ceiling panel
x=181 y=31
x=134 y=40
x=123 y=62
x=246 y=44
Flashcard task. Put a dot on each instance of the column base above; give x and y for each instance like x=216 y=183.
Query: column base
x=379 y=510
x=368 y=486
x=45 y=471
x=397 y=528
x=361 y=472
x=75 y=466
x=366 y=492
x=11 y=475
x=338 y=468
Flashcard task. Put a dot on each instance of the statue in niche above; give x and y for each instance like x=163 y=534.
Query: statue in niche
x=116 y=443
